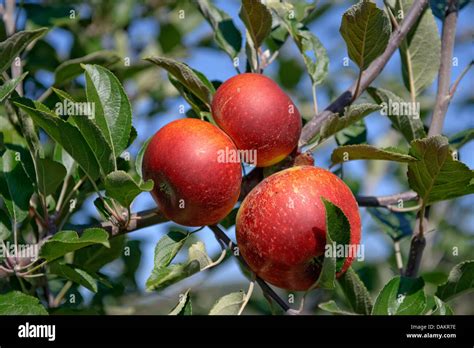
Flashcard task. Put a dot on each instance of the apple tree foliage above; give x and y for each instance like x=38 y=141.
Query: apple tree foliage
x=56 y=164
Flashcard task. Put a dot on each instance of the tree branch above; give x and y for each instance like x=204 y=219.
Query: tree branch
x=138 y=221
x=444 y=79
x=267 y=290
x=385 y=201
x=368 y=76
x=443 y=97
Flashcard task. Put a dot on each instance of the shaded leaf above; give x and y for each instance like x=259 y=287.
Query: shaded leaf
x=120 y=186
x=15 y=186
x=308 y=42
x=74 y=274
x=50 y=175
x=187 y=76
x=93 y=135
x=70 y=69
x=226 y=34
x=64 y=133
x=410 y=126
x=66 y=241
x=92 y=258
x=460 y=280
x=436 y=176
x=366 y=30
x=368 y=152
x=396 y=225
x=356 y=292
x=139 y=159
x=439 y=6
x=420 y=51
x=337 y=233
x=354 y=134
x=12 y=47
x=257 y=19
x=8 y=87
x=461 y=138
x=352 y=114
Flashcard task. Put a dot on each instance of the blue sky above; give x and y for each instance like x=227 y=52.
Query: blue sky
x=216 y=65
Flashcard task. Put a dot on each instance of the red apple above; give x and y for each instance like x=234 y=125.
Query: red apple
x=195 y=185
x=281 y=225
x=258 y=116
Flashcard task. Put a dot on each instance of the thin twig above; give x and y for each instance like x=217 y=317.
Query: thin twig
x=454 y=87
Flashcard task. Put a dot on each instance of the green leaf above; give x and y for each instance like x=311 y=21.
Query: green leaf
x=120 y=186
x=366 y=30
x=165 y=274
x=139 y=159
x=64 y=133
x=197 y=251
x=113 y=113
x=437 y=176
x=337 y=233
x=5 y=227
x=163 y=277
x=11 y=47
x=229 y=220
x=257 y=19
x=352 y=135
x=352 y=114
x=332 y=307
x=368 y=152
x=94 y=257
x=196 y=104
x=50 y=175
x=74 y=274
x=229 y=304
x=8 y=87
x=395 y=225
x=356 y=292
x=420 y=51
x=92 y=134
x=439 y=7
x=460 y=280
x=66 y=241
x=226 y=34
x=18 y=303
x=168 y=246
x=461 y=138
x=441 y=308
x=185 y=75
x=15 y=186
x=401 y=296
x=184 y=306
x=72 y=68
x=308 y=42
x=410 y=126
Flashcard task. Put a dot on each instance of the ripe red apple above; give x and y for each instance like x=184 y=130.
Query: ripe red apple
x=281 y=225
x=194 y=184
x=257 y=115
